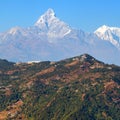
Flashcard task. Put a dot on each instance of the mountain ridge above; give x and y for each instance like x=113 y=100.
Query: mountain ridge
x=111 y=34
x=52 y=39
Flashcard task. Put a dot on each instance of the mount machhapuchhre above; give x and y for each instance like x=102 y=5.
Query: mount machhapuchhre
x=78 y=88
x=51 y=39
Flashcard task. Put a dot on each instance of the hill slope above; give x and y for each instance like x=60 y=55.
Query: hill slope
x=78 y=88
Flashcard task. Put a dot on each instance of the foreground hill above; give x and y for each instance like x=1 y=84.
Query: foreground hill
x=79 y=88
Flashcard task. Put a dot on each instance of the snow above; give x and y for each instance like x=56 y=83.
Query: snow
x=14 y=30
x=102 y=29
x=53 y=26
x=52 y=39
x=111 y=34
x=67 y=32
x=46 y=18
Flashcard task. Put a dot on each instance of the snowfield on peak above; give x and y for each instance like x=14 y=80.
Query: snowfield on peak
x=50 y=24
x=111 y=34
x=52 y=39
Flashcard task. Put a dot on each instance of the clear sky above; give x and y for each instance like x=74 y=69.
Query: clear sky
x=87 y=15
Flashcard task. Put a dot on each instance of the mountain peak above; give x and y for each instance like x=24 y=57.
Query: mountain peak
x=14 y=30
x=104 y=26
x=111 y=34
x=102 y=29
x=52 y=25
x=46 y=17
x=50 y=12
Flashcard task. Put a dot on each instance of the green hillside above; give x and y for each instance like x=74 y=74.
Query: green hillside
x=79 y=88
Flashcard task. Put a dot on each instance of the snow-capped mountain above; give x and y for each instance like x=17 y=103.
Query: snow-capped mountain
x=51 y=25
x=111 y=34
x=52 y=39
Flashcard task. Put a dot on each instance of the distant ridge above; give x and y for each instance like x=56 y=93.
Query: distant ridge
x=52 y=39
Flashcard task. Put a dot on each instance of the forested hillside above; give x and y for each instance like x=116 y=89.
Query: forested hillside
x=79 y=88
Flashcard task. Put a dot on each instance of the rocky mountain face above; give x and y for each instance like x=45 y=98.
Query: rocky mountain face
x=52 y=39
x=78 y=88
x=111 y=34
x=49 y=24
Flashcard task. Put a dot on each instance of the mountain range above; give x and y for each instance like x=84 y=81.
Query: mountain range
x=52 y=39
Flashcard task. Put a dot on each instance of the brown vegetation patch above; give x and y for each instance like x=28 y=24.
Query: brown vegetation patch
x=8 y=92
x=109 y=85
x=72 y=63
x=83 y=96
x=10 y=72
x=11 y=111
x=3 y=115
x=91 y=76
x=48 y=70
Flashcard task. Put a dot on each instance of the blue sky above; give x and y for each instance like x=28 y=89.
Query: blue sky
x=87 y=15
